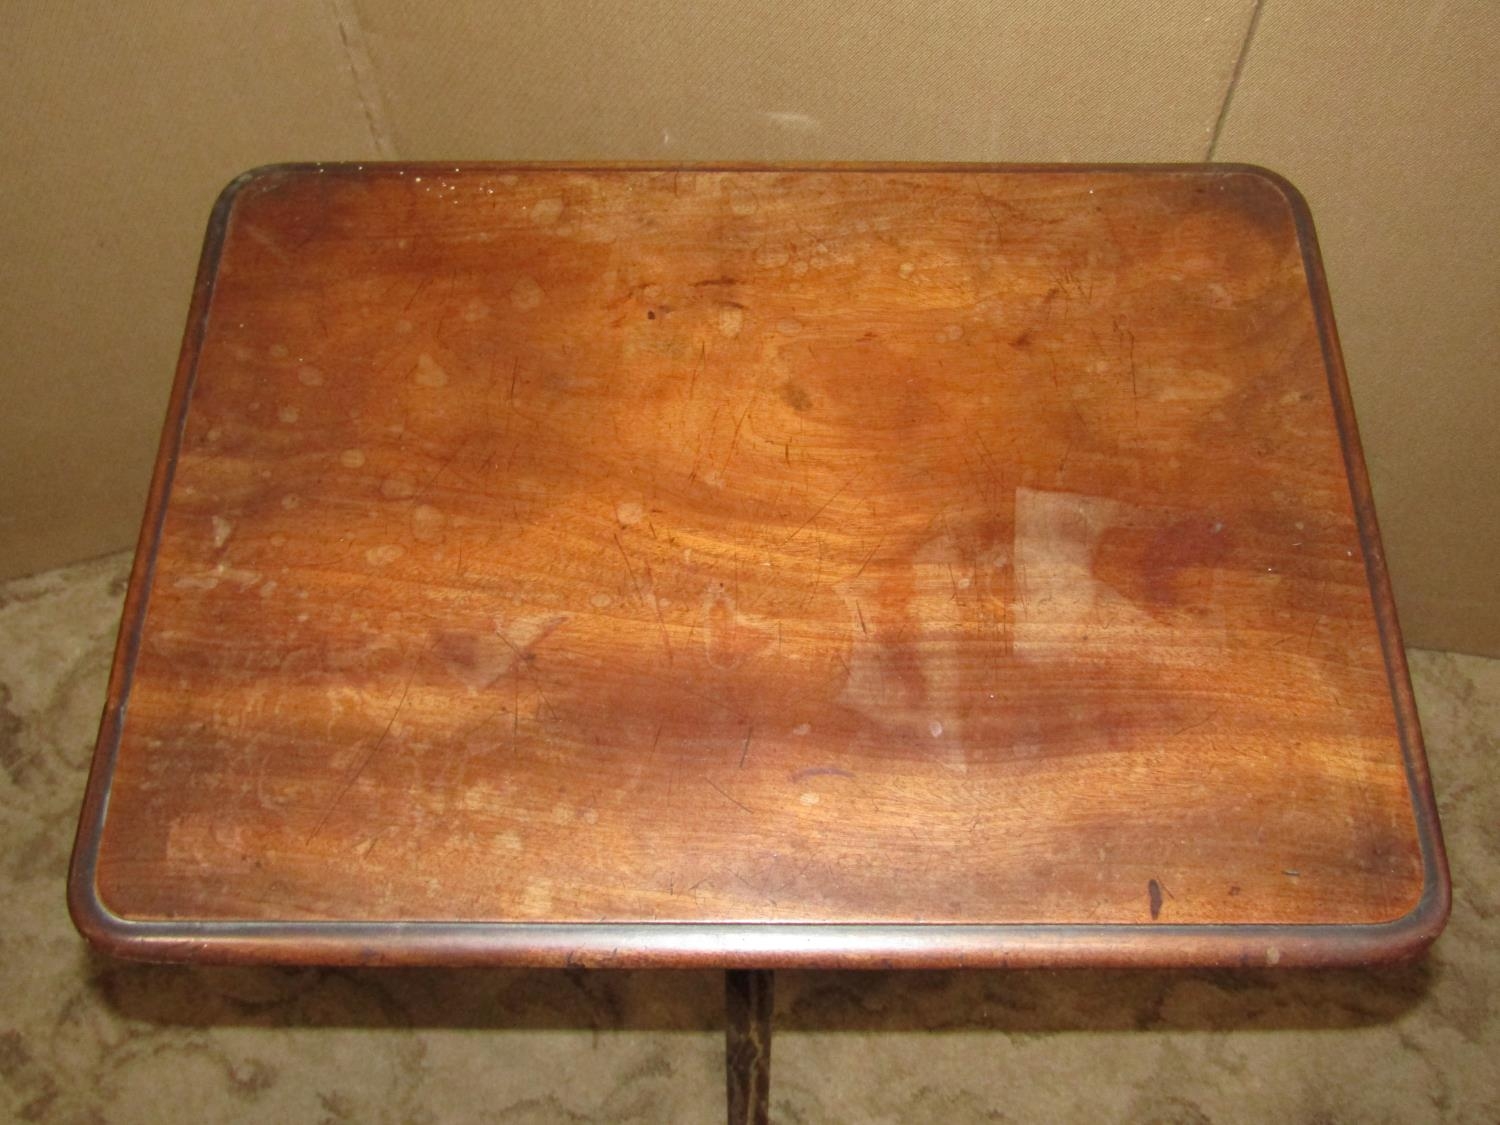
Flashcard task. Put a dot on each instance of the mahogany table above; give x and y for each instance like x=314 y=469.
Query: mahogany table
x=758 y=567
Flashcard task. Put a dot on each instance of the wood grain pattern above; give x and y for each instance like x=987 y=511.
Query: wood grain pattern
x=705 y=546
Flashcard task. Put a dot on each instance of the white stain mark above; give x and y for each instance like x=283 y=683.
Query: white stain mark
x=309 y=376
x=427 y=524
x=352 y=458
x=907 y=269
x=479 y=659
x=429 y=373
x=788 y=326
x=526 y=294
x=277 y=351
x=475 y=311
x=1195 y=386
x=731 y=637
x=809 y=798
x=894 y=683
x=601 y=601
x=385 y=554
x=742 y=203
x=289 y=414
x=245 y=578
x=291 y=501
x=1061 y=605
x=1273 y=955
x=403 y=326
x=536 y=899
x=546 y=211
x=1219 y=297
x=772 y=257
x=731 y=320
x=398 y=486
x=222 y=529
x=802 y=730
x=1056 y=535
x=629 y=513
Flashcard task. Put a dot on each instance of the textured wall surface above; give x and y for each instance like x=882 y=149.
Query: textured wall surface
x=123 y=121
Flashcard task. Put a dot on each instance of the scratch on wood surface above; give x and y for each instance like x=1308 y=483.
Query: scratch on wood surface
x=868 y=557
x=734 y=438
x=707 y=433
x=666 y=641
x=702 y=359
x=738 y=804
x=524 y=656
x=635 y=585
x=365 y=761
x=821 y=509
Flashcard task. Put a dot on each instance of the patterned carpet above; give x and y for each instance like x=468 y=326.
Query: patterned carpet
x=84 y=1039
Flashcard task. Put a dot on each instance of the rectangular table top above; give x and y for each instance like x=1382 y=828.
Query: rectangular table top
x=838 y=566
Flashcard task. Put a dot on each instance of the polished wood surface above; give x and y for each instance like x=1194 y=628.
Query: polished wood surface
x=718 y=547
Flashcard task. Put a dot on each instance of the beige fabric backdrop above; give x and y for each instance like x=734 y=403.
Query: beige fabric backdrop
x=121 y=122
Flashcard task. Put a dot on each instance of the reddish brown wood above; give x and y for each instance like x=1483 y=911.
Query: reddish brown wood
x=972 y=565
